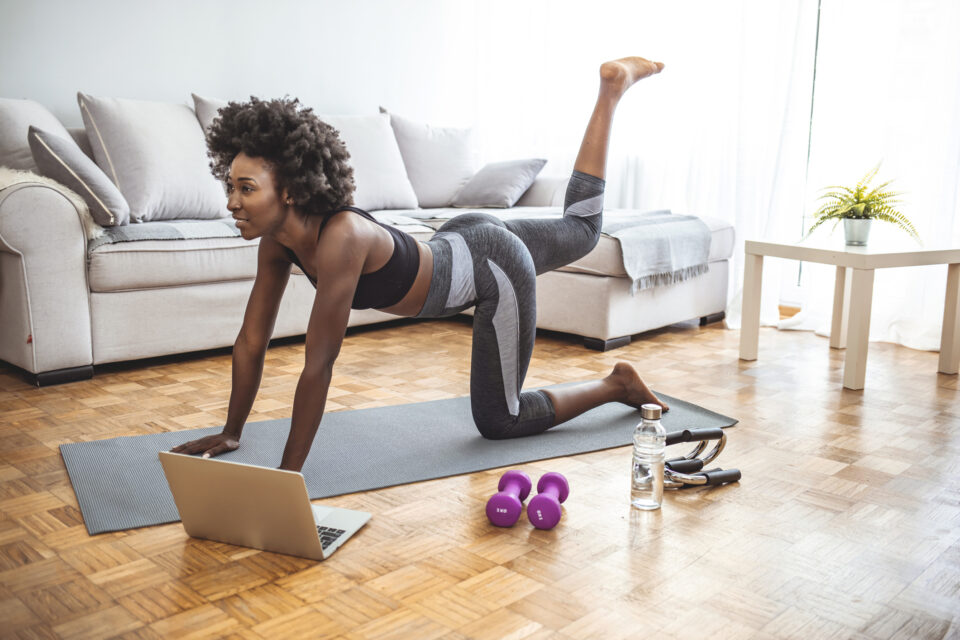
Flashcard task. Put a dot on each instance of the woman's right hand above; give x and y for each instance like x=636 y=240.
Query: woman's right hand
x=209 y=446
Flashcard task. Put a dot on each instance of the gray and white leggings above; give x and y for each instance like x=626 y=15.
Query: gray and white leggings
x=492 y=264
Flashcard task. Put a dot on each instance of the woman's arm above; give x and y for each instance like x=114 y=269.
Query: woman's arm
x=273 y=272
x=340 y=261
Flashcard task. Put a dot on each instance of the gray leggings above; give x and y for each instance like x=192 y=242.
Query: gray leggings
x=492 y=264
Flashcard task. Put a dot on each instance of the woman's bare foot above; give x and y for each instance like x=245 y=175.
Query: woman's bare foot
x=619 y=75
x=635 y=391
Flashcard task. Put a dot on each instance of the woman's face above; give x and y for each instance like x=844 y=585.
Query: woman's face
x=252 y=197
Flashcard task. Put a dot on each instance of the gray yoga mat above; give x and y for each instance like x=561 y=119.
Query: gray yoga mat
x=120 y=484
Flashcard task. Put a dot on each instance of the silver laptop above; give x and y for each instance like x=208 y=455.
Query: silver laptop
x=255 y=507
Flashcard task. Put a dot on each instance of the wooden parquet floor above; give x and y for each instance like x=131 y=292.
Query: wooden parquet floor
x=846 y=523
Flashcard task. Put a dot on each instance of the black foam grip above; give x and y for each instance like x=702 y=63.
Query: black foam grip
x=722 y=476
x=682 y=465
x=694 y=435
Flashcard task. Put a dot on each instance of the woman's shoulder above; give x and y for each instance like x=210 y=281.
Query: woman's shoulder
x=338 y=211
x=347 y=219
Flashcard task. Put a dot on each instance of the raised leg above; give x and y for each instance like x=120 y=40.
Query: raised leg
x=861 y=299
x=750 y=321
x=950 y=334
x=556 y=243
x=616 y=77
x=841 y=308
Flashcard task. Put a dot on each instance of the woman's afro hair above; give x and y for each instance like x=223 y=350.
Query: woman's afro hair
x=306 y=155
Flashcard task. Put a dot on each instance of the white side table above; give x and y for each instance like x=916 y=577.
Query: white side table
x=852 y=297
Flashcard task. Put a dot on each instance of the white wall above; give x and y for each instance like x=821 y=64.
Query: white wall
x=523 y=72
x=336 y=56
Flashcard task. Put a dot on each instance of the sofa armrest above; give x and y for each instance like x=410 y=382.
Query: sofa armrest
x=44 y=296
x=546 y=191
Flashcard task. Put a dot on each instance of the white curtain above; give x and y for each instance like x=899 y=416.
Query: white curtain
x=888 y=90
x=722 y=132
x=727 y=137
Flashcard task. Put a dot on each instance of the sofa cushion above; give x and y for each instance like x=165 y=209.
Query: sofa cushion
x=378 y=170
x=79 y=135
x=155 y=153
x=206 y=109
x=499 y=184
x=147 y=264
x=61 y=159
x=378 y=167
x=16 y=116
x=438 y=160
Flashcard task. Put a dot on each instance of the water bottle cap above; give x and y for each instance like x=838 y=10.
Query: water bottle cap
x=650 y=411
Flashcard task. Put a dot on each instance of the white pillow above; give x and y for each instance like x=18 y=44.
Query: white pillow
x=156 y=155
x=16 y=116
x=439 y=160
x=378 y=169
x=206 y=109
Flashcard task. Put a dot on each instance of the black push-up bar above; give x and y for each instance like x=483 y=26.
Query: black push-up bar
x=688 y=470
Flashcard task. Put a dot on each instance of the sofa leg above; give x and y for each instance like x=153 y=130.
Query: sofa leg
x=606 y=345
x=715 y=317
x=61 y=376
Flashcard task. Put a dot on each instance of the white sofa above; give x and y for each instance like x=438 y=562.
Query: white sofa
x=65 y=309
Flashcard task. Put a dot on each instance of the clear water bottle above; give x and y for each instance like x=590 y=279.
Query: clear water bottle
x=649 y=443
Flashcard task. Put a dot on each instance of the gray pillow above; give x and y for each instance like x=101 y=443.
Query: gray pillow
x=156 y=155
x=15 y=117
x=499 y=184
x=61 y=159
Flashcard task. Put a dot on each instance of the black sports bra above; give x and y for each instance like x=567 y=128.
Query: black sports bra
x=387 y=285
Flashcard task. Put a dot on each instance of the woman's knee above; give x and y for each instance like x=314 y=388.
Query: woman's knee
x=493 y=416
x=536 y=414
x=495 y=428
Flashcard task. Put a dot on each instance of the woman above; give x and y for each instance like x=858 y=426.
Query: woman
x=289 y=184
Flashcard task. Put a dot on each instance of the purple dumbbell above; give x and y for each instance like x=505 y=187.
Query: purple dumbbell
x=504 y=508
x=544 y=510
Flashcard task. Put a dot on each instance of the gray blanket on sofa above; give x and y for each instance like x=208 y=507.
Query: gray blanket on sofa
x=167 y=230
x=660 y=247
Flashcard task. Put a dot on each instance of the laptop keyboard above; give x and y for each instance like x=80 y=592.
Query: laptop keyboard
x=328 y=535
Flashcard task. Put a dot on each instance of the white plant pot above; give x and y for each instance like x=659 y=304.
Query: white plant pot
x=856 y=231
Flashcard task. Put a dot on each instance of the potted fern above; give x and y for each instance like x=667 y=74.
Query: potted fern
x=858 y=207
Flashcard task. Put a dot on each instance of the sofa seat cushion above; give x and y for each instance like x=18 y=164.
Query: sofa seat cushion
x=147 y=264
x=606 y=259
